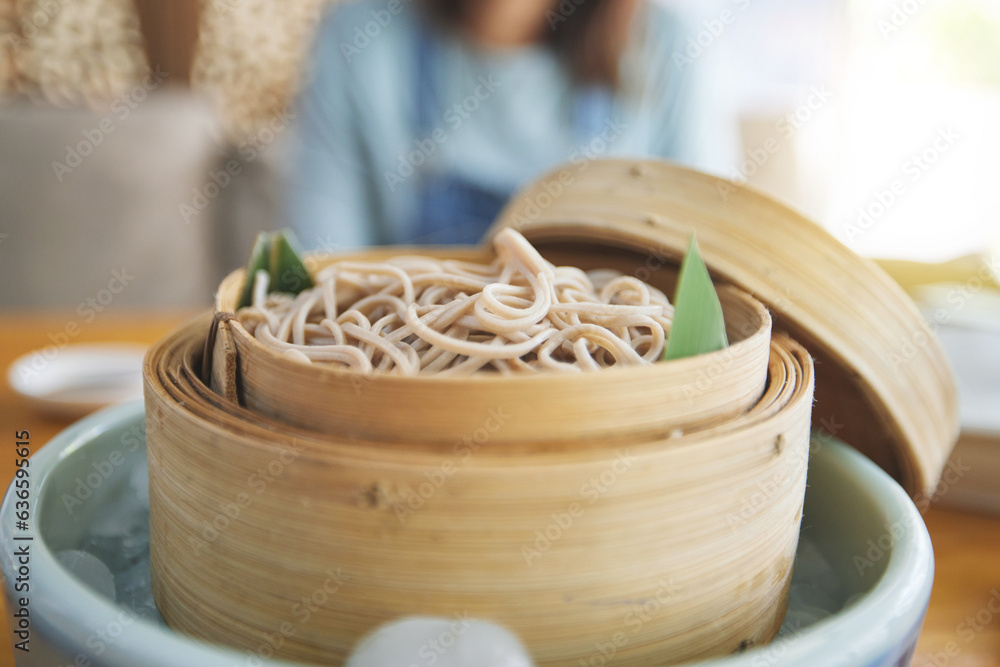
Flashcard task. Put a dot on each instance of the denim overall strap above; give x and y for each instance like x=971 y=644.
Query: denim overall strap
x=425 y=95
x=451 y=209
x=591 y=112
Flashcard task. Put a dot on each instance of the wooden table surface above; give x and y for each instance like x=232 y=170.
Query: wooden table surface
x=961 y=629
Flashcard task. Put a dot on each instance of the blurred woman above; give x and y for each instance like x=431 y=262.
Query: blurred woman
x=421 y=118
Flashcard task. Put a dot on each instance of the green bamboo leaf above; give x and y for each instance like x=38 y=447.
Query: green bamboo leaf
x=698 y=326
x=275 y=253
x=259 y=259
x=288 y=273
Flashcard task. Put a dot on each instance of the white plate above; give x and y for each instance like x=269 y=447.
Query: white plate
x=975 y=356
x=75 y=380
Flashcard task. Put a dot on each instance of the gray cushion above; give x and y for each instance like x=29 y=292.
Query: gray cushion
x=91 y=204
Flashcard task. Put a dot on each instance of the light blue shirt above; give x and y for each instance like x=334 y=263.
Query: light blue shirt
x=503 y=117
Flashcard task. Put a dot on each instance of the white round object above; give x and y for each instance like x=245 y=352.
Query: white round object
x=74 y=380
x=442 y=642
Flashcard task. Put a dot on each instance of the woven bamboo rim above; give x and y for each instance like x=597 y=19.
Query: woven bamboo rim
x=686 y=554
x=633 y=402
x=883 y=382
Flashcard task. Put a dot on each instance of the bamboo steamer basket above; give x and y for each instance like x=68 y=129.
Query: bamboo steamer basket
x=684 y=394
x=883 y=382
x=666 y=548
x=687 y=554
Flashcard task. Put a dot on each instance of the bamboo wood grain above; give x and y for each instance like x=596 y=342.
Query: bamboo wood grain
x=224 y=369
x=686 y=551
x=883 y=382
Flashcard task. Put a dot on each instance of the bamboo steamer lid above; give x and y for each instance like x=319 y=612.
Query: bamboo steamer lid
x=883 y=383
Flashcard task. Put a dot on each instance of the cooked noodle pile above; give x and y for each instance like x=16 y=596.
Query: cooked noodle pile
x=411 y=315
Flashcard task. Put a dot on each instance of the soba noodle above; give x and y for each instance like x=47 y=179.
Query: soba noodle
x=411 y=315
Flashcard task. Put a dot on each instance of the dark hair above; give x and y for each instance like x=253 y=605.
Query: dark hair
x=588 y=35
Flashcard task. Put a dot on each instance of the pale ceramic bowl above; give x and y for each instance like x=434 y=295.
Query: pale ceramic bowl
x=861 y=520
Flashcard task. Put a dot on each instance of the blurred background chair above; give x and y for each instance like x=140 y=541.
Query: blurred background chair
x=138 y=136
x=81 y=203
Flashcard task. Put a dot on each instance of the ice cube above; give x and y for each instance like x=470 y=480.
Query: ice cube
x=122 y=550
x=138 y=481
x=811 y=560
x=814 y=595
x=135 y=591
x=89 y=569
x=454 y=642
x=816 y=590
x=815 y=583
x=119 y=514
x=799 y=618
